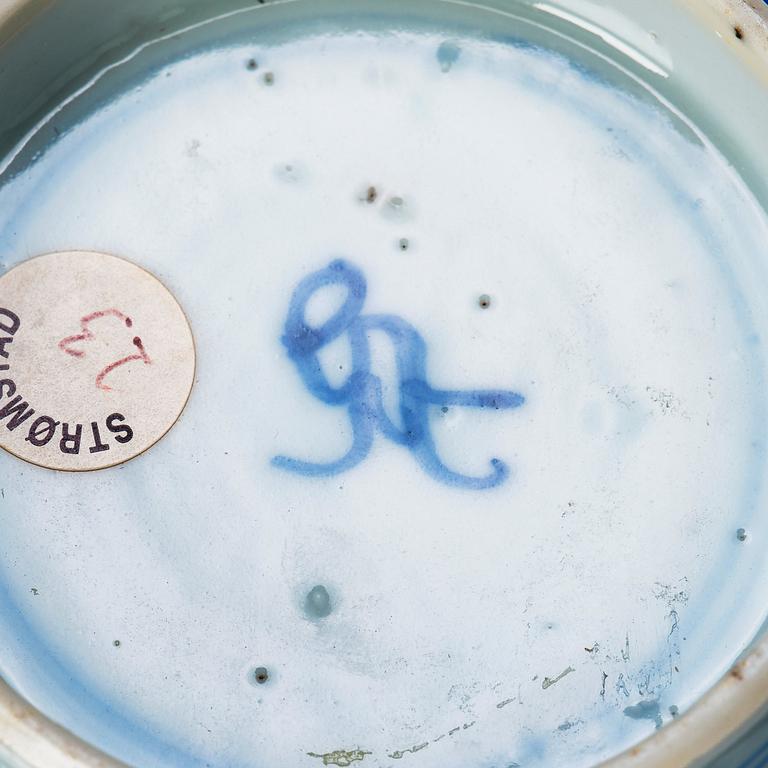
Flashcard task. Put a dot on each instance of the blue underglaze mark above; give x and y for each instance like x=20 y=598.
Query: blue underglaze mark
x=448 y=54
x=645 y=710
x=361 y=393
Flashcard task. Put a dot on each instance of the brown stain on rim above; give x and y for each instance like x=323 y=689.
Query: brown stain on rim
x=737 y=670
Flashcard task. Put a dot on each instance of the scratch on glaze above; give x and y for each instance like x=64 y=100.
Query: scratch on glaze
x=548 y=681
x=341 y=757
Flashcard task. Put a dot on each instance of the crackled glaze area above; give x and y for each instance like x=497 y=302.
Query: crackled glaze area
x=478 y=418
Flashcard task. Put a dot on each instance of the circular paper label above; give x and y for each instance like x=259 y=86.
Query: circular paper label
x=97 y=360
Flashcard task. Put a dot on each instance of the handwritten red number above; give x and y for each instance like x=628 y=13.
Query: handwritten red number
x=86 y=334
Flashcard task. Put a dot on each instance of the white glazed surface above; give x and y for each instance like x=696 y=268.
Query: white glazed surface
x=601 y=235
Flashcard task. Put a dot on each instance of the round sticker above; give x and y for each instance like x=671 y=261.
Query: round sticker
x=97 y=360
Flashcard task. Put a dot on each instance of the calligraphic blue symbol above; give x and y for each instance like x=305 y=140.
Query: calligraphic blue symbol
x=361 y=393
